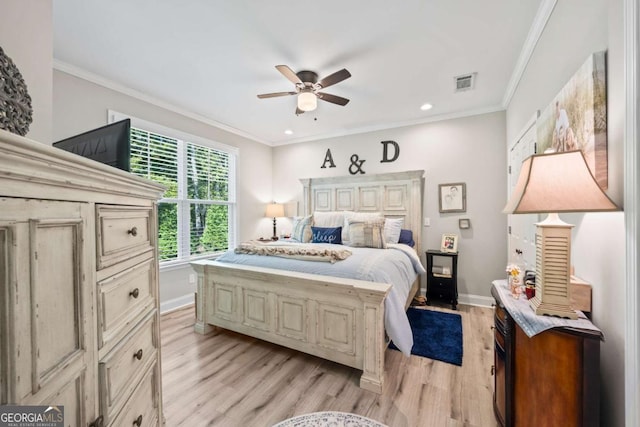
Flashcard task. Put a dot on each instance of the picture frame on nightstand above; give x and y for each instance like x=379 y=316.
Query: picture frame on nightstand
x=449 y=243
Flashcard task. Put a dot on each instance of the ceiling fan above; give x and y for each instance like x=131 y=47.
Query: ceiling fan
x=308 y=88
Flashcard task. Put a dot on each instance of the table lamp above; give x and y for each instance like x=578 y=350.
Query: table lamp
x=274 y=210
x=553 y=183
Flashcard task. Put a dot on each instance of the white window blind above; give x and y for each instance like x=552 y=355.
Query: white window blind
x=197 y=211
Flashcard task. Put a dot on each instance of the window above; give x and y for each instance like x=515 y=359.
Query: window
x=196 y=214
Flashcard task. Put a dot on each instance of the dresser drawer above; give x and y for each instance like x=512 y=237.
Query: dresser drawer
x=142 y=407
x=120 y=369
x=122 y=299
x=122 y=232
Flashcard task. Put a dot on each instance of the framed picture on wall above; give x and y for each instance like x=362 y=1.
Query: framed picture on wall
x=452 y=197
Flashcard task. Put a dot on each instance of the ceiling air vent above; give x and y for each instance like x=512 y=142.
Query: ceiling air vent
x=465 y=82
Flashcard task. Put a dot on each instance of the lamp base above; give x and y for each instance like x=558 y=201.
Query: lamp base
x=561 y=310
x=553 y=262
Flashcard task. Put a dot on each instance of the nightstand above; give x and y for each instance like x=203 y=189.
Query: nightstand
x=442 y=278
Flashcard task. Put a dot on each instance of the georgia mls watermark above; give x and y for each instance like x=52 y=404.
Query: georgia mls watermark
x=31 y=416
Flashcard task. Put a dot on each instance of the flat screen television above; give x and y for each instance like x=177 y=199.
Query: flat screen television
x=108 y=144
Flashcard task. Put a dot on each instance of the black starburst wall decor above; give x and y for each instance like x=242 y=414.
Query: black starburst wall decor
x=16 y=113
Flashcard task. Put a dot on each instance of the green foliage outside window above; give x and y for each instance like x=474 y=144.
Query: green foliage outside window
x=156 y=157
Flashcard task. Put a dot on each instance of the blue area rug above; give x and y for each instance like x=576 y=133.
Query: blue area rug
x=436 y=335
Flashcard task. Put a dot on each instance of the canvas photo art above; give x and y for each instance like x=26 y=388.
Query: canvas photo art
x=576 y=119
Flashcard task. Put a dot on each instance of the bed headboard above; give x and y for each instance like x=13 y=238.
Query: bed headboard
x=395 y=195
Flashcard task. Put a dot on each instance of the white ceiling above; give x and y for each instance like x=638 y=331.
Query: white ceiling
x=211 y=58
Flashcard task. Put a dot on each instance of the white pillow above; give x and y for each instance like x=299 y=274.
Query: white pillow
x=357 y=216
x=302 y=229
x=392 y=227
x=329 y=219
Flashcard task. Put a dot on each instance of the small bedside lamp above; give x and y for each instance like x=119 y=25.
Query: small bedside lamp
x=552 y=183
x=274 y=210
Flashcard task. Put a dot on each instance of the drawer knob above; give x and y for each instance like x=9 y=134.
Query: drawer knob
x=493 y=370
x=135 y=293
x=133 y=231
x=138 y=354
x=138 y=421
x=493 y=327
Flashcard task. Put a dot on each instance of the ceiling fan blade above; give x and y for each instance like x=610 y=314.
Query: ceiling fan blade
x=334 y=78
x=334 y=99
x=273 y=95
x=289 y=74
x=299 y=111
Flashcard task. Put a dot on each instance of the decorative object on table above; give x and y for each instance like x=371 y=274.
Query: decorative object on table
x=580 y=295
x=436 y=335
x=530 y=284
x=329 y=419
x=449 y=243
x=552 y=183
x=513 y=275
x=16 y=112
x=452 y=197
x=464 y=223
x=274 y=210
x=576 y=119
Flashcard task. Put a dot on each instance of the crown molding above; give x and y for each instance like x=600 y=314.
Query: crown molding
x=393 y=125
x=539 y=22
x=110 y=84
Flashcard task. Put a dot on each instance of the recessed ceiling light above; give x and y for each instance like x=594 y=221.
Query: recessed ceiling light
x=288 y=132
x=426 y=107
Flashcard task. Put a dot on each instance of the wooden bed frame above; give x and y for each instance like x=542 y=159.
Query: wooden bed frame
x=338 y=319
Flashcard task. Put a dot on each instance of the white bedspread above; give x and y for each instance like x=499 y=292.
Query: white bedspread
x=398 y=265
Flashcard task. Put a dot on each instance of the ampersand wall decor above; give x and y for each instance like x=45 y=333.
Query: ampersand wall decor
x=16 y=113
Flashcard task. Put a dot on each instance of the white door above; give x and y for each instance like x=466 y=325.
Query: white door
x=522 y=229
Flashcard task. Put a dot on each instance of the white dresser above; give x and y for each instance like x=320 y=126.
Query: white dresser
x=79 y=311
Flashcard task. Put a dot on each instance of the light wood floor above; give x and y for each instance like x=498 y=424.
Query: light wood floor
x=227 y=379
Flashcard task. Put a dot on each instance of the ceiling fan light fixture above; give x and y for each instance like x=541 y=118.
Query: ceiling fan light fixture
x=307 y=101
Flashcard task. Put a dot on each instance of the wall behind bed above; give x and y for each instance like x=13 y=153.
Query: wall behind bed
x=469 y=149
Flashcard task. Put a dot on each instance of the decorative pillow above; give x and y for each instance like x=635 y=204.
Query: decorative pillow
x=367 y=234
x=302 y=228
x=406 y=237
x=356 y=216
x=328 y=219
x=392 y=228
x=327 y=235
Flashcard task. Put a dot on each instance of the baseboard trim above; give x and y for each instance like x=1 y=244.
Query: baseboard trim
x=476 y=300
x=176 y=303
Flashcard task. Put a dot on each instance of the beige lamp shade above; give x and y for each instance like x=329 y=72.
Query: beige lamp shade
x=557 y=182
x=274 y=210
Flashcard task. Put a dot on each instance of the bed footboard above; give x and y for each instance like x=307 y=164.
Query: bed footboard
x=337 y=319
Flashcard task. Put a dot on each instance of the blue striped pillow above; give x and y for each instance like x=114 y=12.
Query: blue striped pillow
x=302 y=229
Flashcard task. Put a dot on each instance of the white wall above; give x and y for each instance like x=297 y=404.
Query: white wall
x=26 y=36
x=576 y=29
x=80 y=105
x=469 y=150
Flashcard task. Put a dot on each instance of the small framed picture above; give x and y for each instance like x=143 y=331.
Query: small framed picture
x=464 y=223
x=452 y=197
x=449 y=243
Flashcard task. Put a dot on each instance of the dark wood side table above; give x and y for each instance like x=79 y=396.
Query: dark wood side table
x=440 y=285
x=549 y=379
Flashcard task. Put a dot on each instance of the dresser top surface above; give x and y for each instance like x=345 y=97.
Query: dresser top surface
x=531 y=323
